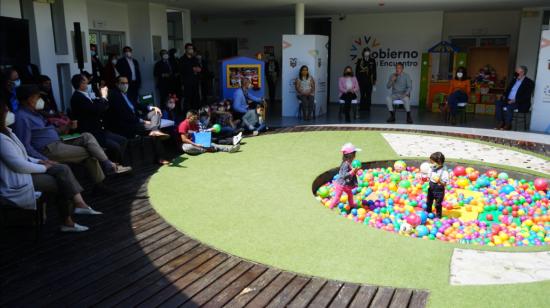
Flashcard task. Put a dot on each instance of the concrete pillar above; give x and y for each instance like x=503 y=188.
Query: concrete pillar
x=299 y=19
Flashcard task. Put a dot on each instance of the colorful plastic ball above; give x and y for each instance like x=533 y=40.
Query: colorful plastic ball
x=474 y=175
x=541 y=184
x=503 y=176
x=216 y=128
x=507 y=189
x=399 y=166
x=405 y=184
x=462 y=182
x=323 y=192
x=425 y=168
x=492 y=173
x=395 y=177
x=356 y=163
x=413 y=219
x=459 y=171
x=422 y=231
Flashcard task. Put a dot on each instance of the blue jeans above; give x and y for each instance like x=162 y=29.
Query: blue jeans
x=505 y=116
x=455 y=98
x=259 y=127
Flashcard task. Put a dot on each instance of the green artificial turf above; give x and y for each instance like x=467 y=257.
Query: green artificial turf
x=257 y=204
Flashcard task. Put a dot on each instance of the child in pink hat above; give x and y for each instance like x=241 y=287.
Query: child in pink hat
x=347 y=179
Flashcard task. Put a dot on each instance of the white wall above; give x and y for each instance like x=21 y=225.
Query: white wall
x=10 y=8
x=259 y=32
x=529 y=40
x=159 y=22
x=397 y=31
x=108 y=15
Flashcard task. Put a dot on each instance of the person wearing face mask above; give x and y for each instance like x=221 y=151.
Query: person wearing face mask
x=400 y=84
x=175 y=83
x=516 y=97
x=348 y=87
x=42 y=141
x=10 y=82
x=50 y=111
x=110 y=73
x=243 y=100
x=21 y=175
x=190 y=69
x=97 y=67
x=164 y=75
x=89 y=111
x=366 y=76
x=130 y=119
x=305 y=88
x=459 y=92
x=28 y=73
x=128 y=67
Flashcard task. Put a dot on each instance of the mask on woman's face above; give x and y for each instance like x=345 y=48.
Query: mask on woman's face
x=348 y=73
x=39 y=104
x=10 y=118
x=366 y=54
x=165 y=56
x=16 y=83
x=459 y=74
x=123 y=88
x=113 y=61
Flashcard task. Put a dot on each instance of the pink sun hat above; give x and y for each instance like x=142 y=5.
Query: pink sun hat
x=349 y=148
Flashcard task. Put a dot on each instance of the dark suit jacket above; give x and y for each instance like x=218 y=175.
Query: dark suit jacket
x=89 y=113
x=123 y=69
x=162 y=67
x=122 y=119
x=28 y=73
x=523 y=95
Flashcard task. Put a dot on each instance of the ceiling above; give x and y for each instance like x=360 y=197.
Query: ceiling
x=255 y=8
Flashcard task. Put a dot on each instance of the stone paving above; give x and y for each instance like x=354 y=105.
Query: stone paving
x=474 y=267
x=410 y=145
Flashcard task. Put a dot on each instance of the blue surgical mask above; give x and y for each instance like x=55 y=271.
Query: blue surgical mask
x=93 y=53
x=17 y=83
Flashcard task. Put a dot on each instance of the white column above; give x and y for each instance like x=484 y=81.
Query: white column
x=299 y=19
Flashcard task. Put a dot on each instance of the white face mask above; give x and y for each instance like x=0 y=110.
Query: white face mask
x=113 y=61
x=165 y=57
x=17 y=83
x=123 y=88
x=128 y=54
x=459 y=74
x=366 y=54
x=39 y=104
x=171 y=106
x=10 y=118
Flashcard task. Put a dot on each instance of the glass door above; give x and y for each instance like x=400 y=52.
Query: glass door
x=108 y=43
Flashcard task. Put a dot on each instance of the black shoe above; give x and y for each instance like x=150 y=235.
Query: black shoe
x=409 y=119
x=391 y=119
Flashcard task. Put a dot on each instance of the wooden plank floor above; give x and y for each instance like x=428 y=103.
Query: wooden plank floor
x=132 y=257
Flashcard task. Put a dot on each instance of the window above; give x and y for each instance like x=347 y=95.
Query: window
x=466 y=42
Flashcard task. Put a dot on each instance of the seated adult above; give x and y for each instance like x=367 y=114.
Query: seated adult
x=22 y=175
x=242 y=99
x=190 y=126
x=400 y=84
x=516 y=97
x=305 y=88
x=50 y=111
x=459 y=92
x=89 y=112
x=10 y=82
x=130 y=119
x=42 y=141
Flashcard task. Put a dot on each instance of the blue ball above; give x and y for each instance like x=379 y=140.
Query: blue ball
x=422 y=230
x=431 y=215
x=507 y=189
x=423 y=217
x=354 y=212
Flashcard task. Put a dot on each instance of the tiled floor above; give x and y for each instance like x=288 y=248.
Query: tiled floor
x=410 y=145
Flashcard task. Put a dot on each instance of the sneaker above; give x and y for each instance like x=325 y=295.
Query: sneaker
x=75 y=228
x=87 y=211
x=255 y=133
x=159 y=134
x=237 y=139
x=234 y=148
x=119 y=169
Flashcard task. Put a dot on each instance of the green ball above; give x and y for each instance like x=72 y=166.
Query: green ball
x=395 y=177
x=356 y=163
x=323 y=192
x=216 y=128
x=405 y=184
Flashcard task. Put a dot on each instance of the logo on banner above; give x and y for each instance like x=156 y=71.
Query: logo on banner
x=546 y=94
x=293 y=62
x=318 y=62
x=383 y=56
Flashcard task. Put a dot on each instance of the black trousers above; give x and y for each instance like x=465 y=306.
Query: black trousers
x=133 y=89
x=436 y=193
x=366 y=93
x=271 y=86
x=114 y=143
x=347 y=98
x=191 y=96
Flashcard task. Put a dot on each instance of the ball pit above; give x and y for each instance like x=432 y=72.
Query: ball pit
x=480 y=208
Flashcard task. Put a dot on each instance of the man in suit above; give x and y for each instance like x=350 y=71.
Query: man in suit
x=128 y=67
x=89 y=111
x=517 y=97
x=164 y=75
x=190 y=70
x=129 y=119
x=28 y=73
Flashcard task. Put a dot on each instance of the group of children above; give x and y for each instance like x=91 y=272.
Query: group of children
x=347 y=179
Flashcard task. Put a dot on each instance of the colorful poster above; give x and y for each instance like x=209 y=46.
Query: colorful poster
x=236 y=72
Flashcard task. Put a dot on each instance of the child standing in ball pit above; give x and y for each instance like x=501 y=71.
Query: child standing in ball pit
x=347 y=179
x=439 y=178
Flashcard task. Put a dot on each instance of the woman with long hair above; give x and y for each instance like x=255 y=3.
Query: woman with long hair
x=305 y=88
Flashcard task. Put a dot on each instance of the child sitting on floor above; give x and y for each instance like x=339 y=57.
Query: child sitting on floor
x=347 y=179
x=253 y=120
x=439 y=178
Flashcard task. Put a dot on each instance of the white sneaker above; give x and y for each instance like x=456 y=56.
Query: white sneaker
x=237 y=139
x=255 y=133
x=88 y=211
x=75 y=228
x=234 y=148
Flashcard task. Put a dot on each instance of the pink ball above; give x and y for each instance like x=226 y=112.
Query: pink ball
x=459 y=171
x=413 y=219
x=541 y=184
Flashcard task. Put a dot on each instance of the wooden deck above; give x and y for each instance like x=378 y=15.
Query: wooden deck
x=132 y=257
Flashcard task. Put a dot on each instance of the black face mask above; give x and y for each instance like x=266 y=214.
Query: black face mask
x=516 y=75
x=348 y=74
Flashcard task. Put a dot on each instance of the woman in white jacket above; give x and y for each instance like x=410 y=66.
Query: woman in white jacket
x=21 y=175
